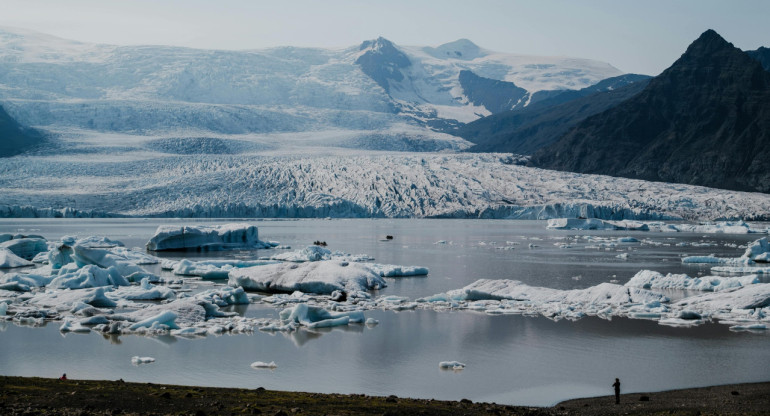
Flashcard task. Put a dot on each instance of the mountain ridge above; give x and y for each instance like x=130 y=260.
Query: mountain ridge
x=703 y=121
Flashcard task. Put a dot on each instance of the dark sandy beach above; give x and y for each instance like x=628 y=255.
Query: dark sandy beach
x=40 y=396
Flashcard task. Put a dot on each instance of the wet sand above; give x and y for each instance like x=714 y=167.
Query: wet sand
x=40 y=396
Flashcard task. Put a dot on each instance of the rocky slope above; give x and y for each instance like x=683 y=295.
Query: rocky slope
x=704 y=121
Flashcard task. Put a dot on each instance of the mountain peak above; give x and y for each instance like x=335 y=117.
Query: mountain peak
x=377 y=44
x=709 y=42
x=460 y=49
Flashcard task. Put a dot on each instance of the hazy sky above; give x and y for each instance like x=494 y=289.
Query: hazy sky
x=635 y=36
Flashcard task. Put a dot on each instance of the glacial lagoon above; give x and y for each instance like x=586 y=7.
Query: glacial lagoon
x=512 y=359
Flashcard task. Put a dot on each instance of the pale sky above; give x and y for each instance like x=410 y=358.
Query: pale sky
x=635 y=36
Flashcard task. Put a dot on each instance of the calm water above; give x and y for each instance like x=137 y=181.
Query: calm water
x=510 y=359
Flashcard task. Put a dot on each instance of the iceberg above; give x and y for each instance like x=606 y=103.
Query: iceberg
x=87 y=277
x=317 y=317
x=451 y=365
x=391 y=270
x=66 y=299
x=758 y=251
x=136 y=360
x=9 y=260
x=594 y=224
x=23 y=282
x=87 y=254
x=145 y=291
x=223 y=237
x=261 y=365
x=322 y=277
x=210 y=269
x=26 y=248
x=728 y=302
x=740 y=270
x=309 y=253
x=649 y=279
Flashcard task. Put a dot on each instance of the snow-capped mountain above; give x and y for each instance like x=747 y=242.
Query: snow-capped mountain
x=58 y=85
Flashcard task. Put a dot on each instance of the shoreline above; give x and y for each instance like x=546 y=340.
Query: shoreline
x=34 y=395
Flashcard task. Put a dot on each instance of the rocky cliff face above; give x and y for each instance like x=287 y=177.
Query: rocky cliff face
x=703 y=121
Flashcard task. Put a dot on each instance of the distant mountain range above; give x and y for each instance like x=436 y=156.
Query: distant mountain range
x=703 y=121
x=395 y=91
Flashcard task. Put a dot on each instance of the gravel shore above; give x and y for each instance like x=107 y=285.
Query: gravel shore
x=40 y=396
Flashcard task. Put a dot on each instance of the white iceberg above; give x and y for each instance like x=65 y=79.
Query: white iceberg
x=65 y=299
x=136 y=360
x=740 y=270
x=9 y=260
x=263 y=365
x=145 y=291
x=728 y=302
x=451 y=365
x=322 y=277
x=317 y=317
x=710 y=259
x=222 y=237
x=594 y=224
x=309 y=253
x=391 y=270
x=649 y=279
x=758 y=251
x=26 y=248
x=23 y=282
x=87 y=254
x=210 y=269
x=87 y=277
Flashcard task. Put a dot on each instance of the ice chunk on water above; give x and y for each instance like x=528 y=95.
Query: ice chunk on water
x=8 y=260
x=26 y=248
x=85 y=254
x=145 y=291
x=23 y=282
x=390 y=270
x=758 y=251
x=263 y=365
x=649 y=279
x=451 y=365
x=165 y=318
x=317 y=317
x=210 y=269
x=594 y=224
x=136 y=360
x=748 y=297
x=87 y=277
x=223 y=237
x=323 y=277
x=309 y=253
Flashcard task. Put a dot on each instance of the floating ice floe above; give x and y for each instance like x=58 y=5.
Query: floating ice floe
x=451 y=365
x=740 y=270
x=263 y=365
x=711 y=259
x=8 y=260
x=23 y=282
x=322 y=277
x=649 y=279
x=145 y=291
x=87 y=277
x=210 y=269
x=65 y=299
x=25 y=247
x=222 y=237
x=391 y=270
x=594 y=224
x=309 y=253
x=136 y=360
x=121 y=261
x=317 y=317
x=758 y=251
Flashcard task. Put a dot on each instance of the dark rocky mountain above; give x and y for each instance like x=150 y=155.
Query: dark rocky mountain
x=526 y=130
x=382 y=62
x=762 y=55
x=496 y=96
x=703 y=121
x=15 y=139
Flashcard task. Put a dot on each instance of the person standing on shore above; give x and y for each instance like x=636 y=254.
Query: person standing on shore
x=616 y=384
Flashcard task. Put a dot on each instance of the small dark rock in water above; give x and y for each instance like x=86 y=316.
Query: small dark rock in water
x=466 y=401
x=734 y=393
x=388 y=237
x=644 y=399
